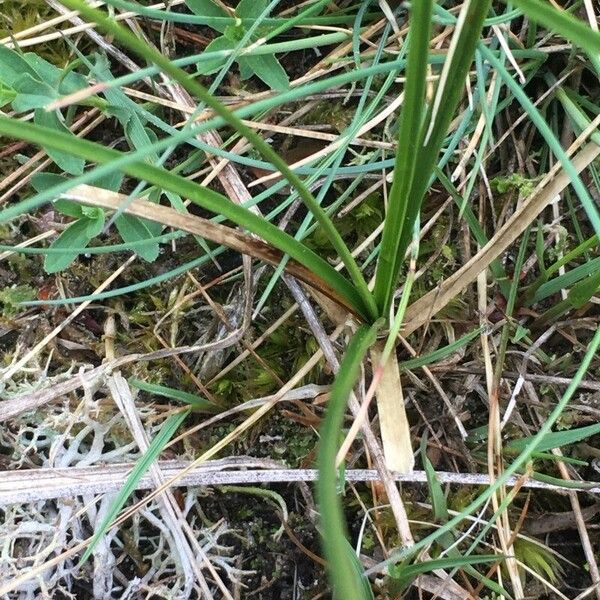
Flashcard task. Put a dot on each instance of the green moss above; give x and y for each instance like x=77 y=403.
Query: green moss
x=17 y=16
x=11 y=297
x=514 y=183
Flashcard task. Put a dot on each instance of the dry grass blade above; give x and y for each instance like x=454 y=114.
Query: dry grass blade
x=395 y=430
x=32 y=485
x=215 y=232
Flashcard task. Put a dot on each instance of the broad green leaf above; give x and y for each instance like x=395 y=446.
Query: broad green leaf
x=218 y=44
x=111 y=181
x=76 y=235
x=166 y=432
x=139 y=136
x=217 y=18
x=96 y=215
x=67 y=162
x=267 y=68
x=246 y=70
x=68 y=208
x=250 y=9
x=133 y=229
x=44 y=181
x=13 y=66
x=555 y=439
x=32 y=93
x=64 y=80
x=195 y=401
x=7 y=95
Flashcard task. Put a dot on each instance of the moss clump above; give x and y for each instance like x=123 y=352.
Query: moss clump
x=10 y=299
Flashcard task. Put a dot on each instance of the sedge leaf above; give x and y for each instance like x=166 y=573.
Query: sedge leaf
x=555 y=439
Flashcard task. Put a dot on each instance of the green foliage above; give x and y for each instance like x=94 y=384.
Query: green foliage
x=29 y=83
x=538 y=558
x=405 y=574
x=347 y=580
x=197 y=403
x=11 y=297
x=556 y=439
x=266 y=67
x=515 y=182
x=76 y=235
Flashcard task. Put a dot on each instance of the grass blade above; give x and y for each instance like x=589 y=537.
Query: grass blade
x=409 y=138
x=193 y=87
x=342 y=569
x=204 y=197
x=514 y=467
x=169 y=427
x=562 y=22
x=448 y=95
x=196 y=402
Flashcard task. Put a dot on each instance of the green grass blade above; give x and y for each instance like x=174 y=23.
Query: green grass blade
x=150 y=54
x=342 y=570
x=204 y=197
x=556 y=439
x=166 y=432
x=198 y=403
x=448 y=95
x=565 y=281
x=440 y=353
x=409 y=138
x=562 y=23
x=406 y=574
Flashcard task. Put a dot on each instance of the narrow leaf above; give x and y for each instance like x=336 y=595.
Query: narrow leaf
x=196 y=402
x=562 y=23
x=555 y=439
x=407 y=154
x=169 y=427
x=342 y=571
